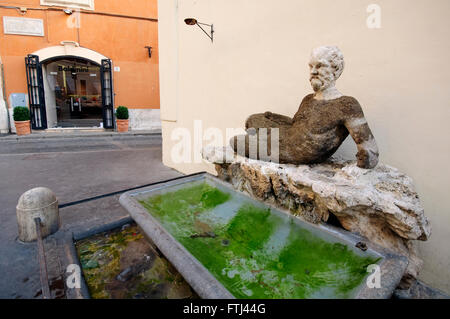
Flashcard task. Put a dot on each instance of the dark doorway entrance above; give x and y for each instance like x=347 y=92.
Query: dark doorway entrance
x=76 y=87
x=77 y=92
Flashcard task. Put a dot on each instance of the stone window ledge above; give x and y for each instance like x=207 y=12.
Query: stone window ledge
x=76 y=4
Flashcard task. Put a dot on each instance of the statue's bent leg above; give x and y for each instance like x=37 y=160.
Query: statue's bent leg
x=259 y=121
x=263 y=144
x=240 y=144
x=257 y=143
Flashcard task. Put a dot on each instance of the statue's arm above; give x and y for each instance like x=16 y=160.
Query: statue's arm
x=278 y=118
x=359 y=130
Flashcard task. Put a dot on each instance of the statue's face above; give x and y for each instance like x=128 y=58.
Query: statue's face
x=321 y=73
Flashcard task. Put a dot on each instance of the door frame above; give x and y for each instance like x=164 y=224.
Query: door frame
x=107 y=84
x=36 y=94
x=106 y=77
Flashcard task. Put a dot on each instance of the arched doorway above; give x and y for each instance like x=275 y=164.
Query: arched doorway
x=75 y=92
x=70 y=86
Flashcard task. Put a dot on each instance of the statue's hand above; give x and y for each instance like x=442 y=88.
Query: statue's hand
x=268 y=115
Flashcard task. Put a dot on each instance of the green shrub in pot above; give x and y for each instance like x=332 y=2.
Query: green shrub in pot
x=122 y=113
x=21 y=113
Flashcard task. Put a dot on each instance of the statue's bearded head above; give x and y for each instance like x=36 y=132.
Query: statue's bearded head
x=326 y=65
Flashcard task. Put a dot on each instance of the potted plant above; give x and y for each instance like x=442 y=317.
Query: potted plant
x=122 y=119
x=21 y=116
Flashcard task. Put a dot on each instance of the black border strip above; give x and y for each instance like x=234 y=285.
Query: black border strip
x=124 y=191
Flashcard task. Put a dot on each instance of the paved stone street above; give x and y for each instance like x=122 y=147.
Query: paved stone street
x=74 y=168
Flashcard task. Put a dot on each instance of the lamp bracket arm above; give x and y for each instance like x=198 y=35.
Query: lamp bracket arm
x=212 y=30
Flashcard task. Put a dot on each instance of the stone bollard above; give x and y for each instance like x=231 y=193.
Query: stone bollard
x=39 y=202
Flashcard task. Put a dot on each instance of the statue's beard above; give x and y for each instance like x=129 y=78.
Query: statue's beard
x=316 y=84
x=320 y=83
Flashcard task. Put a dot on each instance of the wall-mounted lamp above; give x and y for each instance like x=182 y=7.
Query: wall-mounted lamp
x=149 y=51
x=67 y=11
x=192 y=21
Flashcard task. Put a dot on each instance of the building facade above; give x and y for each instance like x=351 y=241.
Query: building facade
x=72 y=62
x=258 y=61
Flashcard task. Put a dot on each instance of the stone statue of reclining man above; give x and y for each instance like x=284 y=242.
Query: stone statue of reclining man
x=322 y=122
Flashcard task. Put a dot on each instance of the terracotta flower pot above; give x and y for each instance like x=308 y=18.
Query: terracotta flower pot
x=122 y=125
x=22 y=127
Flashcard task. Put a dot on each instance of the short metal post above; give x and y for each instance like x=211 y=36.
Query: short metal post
x=42 y=263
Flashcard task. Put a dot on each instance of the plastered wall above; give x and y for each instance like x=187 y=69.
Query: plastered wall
x=258 y=62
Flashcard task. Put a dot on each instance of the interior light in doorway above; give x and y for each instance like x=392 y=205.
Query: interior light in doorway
x=67 y=11
x=192 y=21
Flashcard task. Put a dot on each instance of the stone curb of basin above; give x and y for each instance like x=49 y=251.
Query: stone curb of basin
x=207 y=286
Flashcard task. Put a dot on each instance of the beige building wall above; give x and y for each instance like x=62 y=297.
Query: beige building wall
x=258 y=62
x=4 y=122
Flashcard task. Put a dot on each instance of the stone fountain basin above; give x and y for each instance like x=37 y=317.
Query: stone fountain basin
x=209 y=286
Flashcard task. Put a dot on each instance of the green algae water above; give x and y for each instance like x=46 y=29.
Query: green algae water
x=253 y=251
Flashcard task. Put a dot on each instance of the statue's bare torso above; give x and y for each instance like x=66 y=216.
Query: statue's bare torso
x=318 y=127
x=316 y=131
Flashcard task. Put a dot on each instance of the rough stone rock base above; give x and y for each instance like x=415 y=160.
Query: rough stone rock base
x=379 y=204
x=419 y=290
